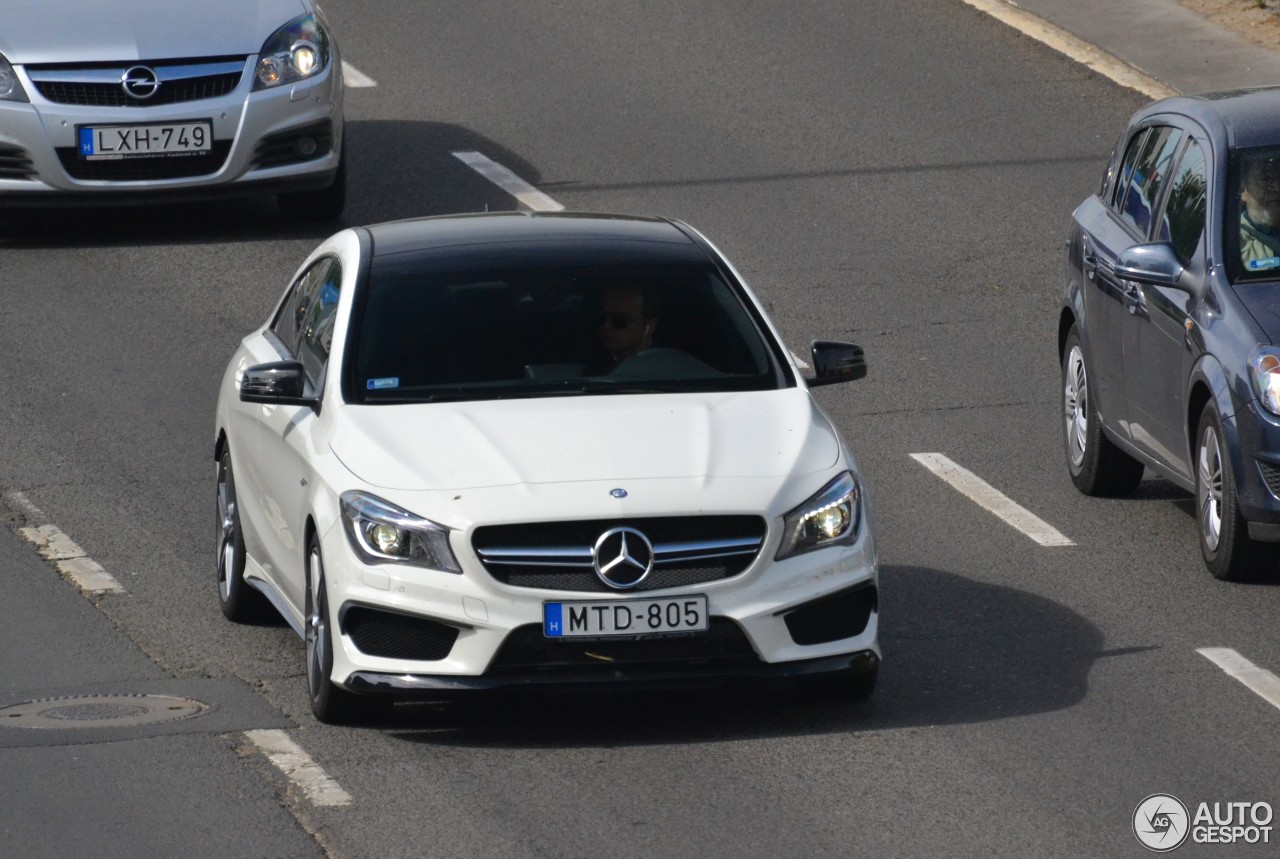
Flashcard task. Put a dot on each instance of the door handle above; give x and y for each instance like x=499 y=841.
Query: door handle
x=1131 y=295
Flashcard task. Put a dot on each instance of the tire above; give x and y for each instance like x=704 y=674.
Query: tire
x=844 y=687
x=1221 y=529
x=1097 y=466
x=329 y=703
x=239 y=601
x=325 y=204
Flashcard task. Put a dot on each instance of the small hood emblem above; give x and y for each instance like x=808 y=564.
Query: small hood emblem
x=618 y=493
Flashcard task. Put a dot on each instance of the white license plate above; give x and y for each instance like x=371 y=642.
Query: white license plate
x=625 y=617
x=114 y=142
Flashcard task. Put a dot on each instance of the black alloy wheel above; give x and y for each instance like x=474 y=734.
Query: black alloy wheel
x=239 y=601
x=1097 y=466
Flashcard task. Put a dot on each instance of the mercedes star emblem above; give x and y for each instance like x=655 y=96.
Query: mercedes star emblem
x=622 y=557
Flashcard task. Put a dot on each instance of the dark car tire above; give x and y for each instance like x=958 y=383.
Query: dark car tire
x=330 y=704
x=325 y=204
x=239 y=601
x=1097 y=466
x=845 y=687
x=1221 y=528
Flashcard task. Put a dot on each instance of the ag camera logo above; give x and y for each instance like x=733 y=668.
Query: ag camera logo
x=1160 y=822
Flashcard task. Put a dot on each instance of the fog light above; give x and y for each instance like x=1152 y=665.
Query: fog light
x=385 y=538
x=269 y=70
x=306 y=146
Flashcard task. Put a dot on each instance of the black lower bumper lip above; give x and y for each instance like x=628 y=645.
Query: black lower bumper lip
x=430 y=685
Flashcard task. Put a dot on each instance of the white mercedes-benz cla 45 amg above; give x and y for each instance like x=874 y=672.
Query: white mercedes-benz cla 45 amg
x=485 y=451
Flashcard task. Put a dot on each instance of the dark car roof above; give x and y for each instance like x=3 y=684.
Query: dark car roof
x=567 y=230
x=1250 y=117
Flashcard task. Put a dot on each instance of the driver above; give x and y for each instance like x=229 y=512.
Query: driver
x=628 y=319
x=1260 y=217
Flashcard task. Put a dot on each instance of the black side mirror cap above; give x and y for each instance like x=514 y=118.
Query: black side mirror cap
x=835 y=361
x=280 y=383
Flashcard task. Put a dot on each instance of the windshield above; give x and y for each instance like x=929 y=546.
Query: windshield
x=432 y=336
x=1253 y=222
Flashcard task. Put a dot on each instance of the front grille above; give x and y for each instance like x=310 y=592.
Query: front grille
x=1270 y=474
x=100 y=85
x=398 y=636
x=145 y=169
x=843 y=614
x=723 y=646
x=276 y=150
x=688 y=550
x=15 y=163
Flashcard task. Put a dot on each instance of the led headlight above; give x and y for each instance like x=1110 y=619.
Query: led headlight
x=296 y=51
x=1264 y=372
x=10 y=87
x=829 y=518
x=381 y=533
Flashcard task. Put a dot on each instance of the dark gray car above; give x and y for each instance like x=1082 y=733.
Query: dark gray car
x=1171 y=316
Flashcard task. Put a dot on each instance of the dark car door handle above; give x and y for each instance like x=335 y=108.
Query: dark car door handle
x=1090 y=263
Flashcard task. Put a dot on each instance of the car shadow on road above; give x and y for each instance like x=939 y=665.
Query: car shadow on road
x=955 y=651
x=397 y=169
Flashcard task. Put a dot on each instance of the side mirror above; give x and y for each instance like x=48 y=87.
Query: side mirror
x=1156 y=264
x=280 y=383
x=835 y=361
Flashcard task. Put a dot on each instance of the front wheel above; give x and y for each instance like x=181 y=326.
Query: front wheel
x=1096 y=465
x=325 y=204
x=239 y=601
x=329 y=703
x=1224 y=534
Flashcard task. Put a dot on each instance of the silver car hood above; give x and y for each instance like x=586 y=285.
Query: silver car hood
x=76 y=31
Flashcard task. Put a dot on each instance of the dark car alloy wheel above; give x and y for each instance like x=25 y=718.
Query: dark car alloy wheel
x=239 y=601
x=1096 y=465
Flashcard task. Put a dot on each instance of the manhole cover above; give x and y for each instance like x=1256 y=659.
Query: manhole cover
x=100 y=711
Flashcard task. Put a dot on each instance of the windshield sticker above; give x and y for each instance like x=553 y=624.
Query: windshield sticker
x=1259 y=264
x=381 y=384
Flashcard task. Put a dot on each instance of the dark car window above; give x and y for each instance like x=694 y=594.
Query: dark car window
x=1253 y=214
x=1146 y=167
x=316 y=334
x=289 y=322
x=1184 y=212
x=424 y=335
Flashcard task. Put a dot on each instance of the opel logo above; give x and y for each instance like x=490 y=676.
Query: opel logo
x=140 y=82
x=622 y=557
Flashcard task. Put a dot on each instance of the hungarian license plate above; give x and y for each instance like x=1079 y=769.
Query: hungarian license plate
x=115 y=142
x=625 y=617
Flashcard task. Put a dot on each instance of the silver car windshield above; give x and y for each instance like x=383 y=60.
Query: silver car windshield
x=556 y=331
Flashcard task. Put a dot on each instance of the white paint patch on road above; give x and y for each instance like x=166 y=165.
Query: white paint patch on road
x=298 y=767
x=529 y=197
x=1265 y=684
x=71 y=561
x=20 y=502
x=1074 y=47
x=353 y=77
x=993 y=500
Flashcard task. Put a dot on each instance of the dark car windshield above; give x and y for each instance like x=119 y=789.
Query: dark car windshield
x=422 y=335
x=1253 y=215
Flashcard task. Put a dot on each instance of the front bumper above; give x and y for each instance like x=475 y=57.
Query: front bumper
x=38 y=141
x=809 y=614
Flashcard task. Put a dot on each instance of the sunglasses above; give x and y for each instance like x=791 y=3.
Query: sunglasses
x=618 y=321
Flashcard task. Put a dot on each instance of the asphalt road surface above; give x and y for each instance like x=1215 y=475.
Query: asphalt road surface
x=899 y=174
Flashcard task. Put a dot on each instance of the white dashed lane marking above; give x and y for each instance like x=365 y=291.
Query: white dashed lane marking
x=298 y=767
x=527 y=195
x=1265 y=684
x=72 y=562
x=993 y=500
x=353 y=77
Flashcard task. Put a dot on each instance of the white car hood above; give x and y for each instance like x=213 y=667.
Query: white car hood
x=66 y=31
x=453 y=446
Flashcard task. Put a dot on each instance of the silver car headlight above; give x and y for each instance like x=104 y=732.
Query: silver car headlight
x=830 y=518
x=1264 y=372
x=297 y=51
x=380 y=533
x=10 y=87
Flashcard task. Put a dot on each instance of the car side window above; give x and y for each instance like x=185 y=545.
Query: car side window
x=288 y=325
x=319 y=316
x=1146 y=169
x=1184 y=212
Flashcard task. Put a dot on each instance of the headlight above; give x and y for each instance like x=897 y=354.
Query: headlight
x=1264 y=371
x=296 y=51
x=830 y=518
x=381 y=533
x=10 y=87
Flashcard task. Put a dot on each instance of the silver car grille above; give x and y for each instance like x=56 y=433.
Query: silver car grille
x=101 y=85
x=558 y=556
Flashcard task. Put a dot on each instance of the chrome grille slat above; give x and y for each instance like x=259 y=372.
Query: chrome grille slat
x=100 y=85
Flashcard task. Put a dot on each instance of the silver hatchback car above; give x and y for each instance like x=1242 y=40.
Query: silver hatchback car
x=136 y=101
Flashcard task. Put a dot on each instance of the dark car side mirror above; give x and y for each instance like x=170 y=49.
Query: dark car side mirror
x=280 y=383
x=1156 y=264
x=835 y=361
